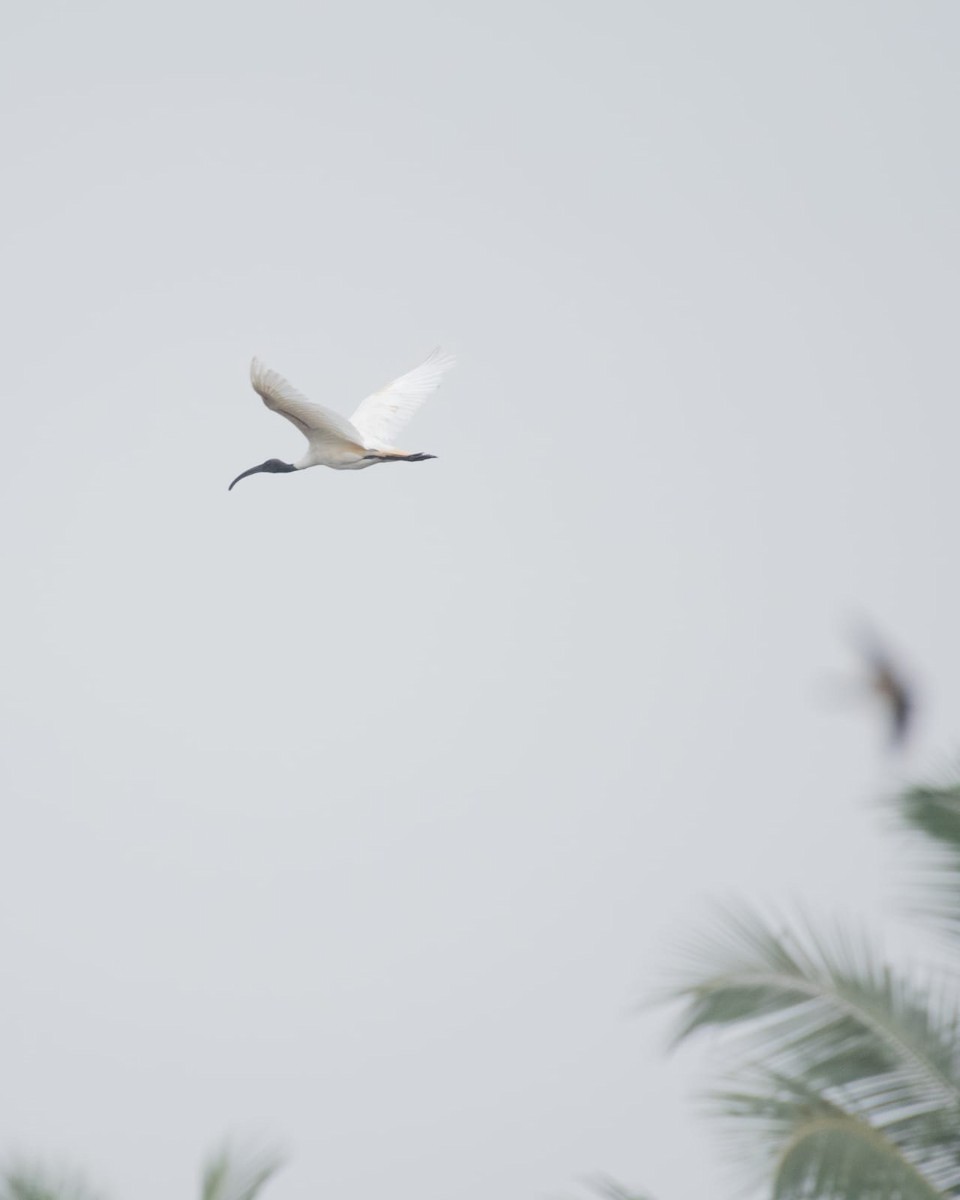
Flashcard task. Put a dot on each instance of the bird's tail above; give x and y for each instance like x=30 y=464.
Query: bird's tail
x=397 y=456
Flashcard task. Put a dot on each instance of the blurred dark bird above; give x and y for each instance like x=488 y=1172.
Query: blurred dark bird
x=889 y=683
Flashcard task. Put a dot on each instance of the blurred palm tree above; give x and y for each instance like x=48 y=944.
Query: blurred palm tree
x=25 y=1182
x=845 y=1079
x=228 y=1175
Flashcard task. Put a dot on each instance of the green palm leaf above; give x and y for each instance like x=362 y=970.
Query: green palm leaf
x=230 y=1175
x=934 y=814
x=831 y=1010
x=854 y=1047
x=29 y=1182
x=812 y=1148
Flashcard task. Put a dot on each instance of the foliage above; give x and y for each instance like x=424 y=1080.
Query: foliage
x=228 y=1175
x=25 y=1181
x=932 y=815
x=847 y=1078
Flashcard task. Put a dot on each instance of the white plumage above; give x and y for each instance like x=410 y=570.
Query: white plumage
x=367 y=438
x=381 y=416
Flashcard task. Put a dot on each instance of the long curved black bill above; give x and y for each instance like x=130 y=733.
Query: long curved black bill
x=244 y=474
x=273 y=466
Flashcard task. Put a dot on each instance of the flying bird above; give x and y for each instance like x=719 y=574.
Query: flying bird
x=364 y=440
x=889 y=683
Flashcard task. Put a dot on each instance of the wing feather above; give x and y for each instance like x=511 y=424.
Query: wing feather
x=320 y=425
x=381 y=416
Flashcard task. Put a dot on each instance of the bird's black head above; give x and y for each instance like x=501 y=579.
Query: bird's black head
x=273 y=465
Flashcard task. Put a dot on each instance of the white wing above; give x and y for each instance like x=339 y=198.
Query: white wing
x=380 y=417
x=320 y=425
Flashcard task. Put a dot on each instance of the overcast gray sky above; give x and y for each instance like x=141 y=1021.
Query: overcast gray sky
x=355 y=810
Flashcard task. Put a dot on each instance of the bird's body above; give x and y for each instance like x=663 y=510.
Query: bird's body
x=890 y=684
x=363 y=441
x=896 y=696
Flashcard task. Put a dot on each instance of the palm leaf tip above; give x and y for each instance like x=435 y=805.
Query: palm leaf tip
x=27 y=1181
x=231 y=1174
x=932 y=815
x=609 y=1189
x=935 y=812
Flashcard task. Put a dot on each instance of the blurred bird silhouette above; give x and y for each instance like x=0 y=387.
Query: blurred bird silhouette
x=884 y=680
x=889 y=683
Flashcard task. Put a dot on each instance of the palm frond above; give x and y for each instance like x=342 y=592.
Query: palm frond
x=24 y=1181
x=838 y=1028
x=610 y=1189
x=232 y=1175
x=813 y=1149
x=829 y=1010
x=933 y=813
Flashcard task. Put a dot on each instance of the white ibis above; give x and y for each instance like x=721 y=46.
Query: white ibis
x=366 y=438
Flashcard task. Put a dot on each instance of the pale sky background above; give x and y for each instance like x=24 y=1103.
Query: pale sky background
x=356 y=810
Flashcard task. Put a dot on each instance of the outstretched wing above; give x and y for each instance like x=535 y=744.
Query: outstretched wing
x=381 y=416
x=317 y=423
